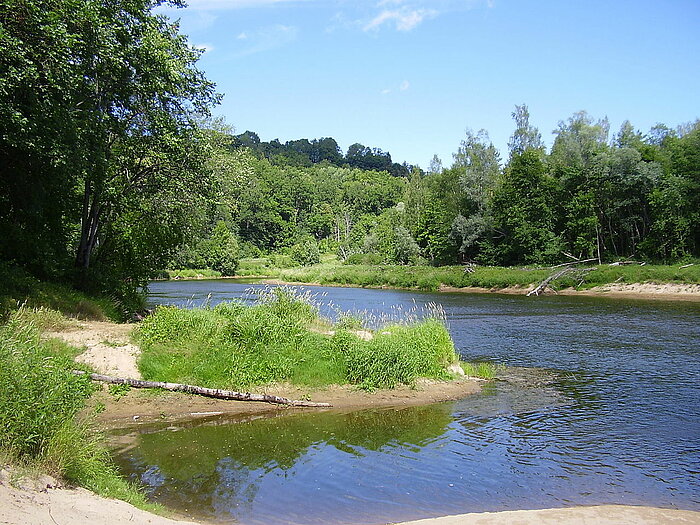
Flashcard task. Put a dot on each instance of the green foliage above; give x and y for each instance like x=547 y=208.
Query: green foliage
x=279 y=339
x=399 y=354
x=305 y=252
x=483 y=370
x=103 y=161
x=491 y=277
x=119 y=391
x=38 y=392
x=40 y=399
x=18 y=287
x=523 y=219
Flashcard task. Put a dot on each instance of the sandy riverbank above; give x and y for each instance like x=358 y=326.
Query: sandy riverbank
x=663 y=292
x=596 y=515
x=43 y=502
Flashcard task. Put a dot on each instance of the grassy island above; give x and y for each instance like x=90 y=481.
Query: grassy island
x=283 y=339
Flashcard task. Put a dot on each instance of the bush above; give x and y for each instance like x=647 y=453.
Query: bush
x=306 y=252
x=365 y=258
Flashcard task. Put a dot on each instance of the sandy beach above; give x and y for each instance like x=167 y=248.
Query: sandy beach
x=45 y=502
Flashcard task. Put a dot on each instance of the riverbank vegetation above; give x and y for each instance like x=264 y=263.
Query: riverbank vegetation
x=113 y=174
x=593 y=195
x=44 y=425
x=282 y=338
x=433 y=278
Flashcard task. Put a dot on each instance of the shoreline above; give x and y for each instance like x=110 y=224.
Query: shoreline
x=44 y=501
x=670 y=291
x=143 y=407
x=664 y=292
x=109 y=350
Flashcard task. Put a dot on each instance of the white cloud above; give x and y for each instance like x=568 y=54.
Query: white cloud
x=242 y=36
x=403 y=19
x=267 y=38
x=405 y=85
x=385 y=91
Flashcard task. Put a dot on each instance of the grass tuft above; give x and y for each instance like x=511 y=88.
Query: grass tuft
x=483 y=370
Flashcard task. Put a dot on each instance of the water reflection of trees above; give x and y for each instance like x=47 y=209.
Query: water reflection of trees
x=218 y=468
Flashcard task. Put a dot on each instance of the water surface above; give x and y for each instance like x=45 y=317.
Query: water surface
x=608 y=415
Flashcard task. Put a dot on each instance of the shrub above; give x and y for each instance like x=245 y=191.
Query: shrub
x=306 y=252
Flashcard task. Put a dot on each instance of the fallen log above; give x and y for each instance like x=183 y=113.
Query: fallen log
x=573 y=263
x=545 y=284
x=686 y=266
x=203 y=391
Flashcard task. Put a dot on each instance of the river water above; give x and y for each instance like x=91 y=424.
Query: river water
x=601 y=405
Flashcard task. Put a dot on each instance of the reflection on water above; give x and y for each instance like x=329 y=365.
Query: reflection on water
x=610 y=414
x=244 y=470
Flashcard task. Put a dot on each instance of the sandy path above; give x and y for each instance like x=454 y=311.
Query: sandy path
x=107 y=347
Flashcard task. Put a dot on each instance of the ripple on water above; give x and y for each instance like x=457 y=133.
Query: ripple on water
x=610 y=415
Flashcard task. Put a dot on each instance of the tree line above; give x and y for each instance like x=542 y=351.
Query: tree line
x=111 y=169
x=592 y=195
x=305 y=153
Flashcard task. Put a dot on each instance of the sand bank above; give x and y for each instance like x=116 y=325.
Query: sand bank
x=597 y=515
x=43 y=502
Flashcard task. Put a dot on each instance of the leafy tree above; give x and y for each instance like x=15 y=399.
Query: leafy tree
x=220 y=251
x=478 y=164
x=523 y=218
x=405 y=247
x=100 y=108
x=525 y=137
x=305 y=252
x=675 y=200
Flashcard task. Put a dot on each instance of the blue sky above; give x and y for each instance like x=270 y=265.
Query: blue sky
x=409 y=76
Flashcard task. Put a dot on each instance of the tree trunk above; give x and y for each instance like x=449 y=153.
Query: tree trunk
x=90 y=224
x=202 y=391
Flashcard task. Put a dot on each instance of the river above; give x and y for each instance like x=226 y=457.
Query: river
x=601 y=405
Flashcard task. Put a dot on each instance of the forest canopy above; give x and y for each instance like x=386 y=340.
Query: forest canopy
x=111 y=169
x=593 y=195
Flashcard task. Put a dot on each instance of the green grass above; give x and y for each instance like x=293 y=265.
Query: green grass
x=40 y=403
x=282 y=339
x=483 y=370
x=19 y=288
x=431 y=278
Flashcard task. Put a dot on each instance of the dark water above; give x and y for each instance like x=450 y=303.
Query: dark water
x=611 y=414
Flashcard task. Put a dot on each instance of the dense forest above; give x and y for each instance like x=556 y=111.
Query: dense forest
x=590 y=196
x=111 y=169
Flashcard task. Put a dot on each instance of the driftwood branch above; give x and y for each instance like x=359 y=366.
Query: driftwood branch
x=573 y=263
x=625 y=263
x=556 y=275
x=202 y=391
x=686 y=266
